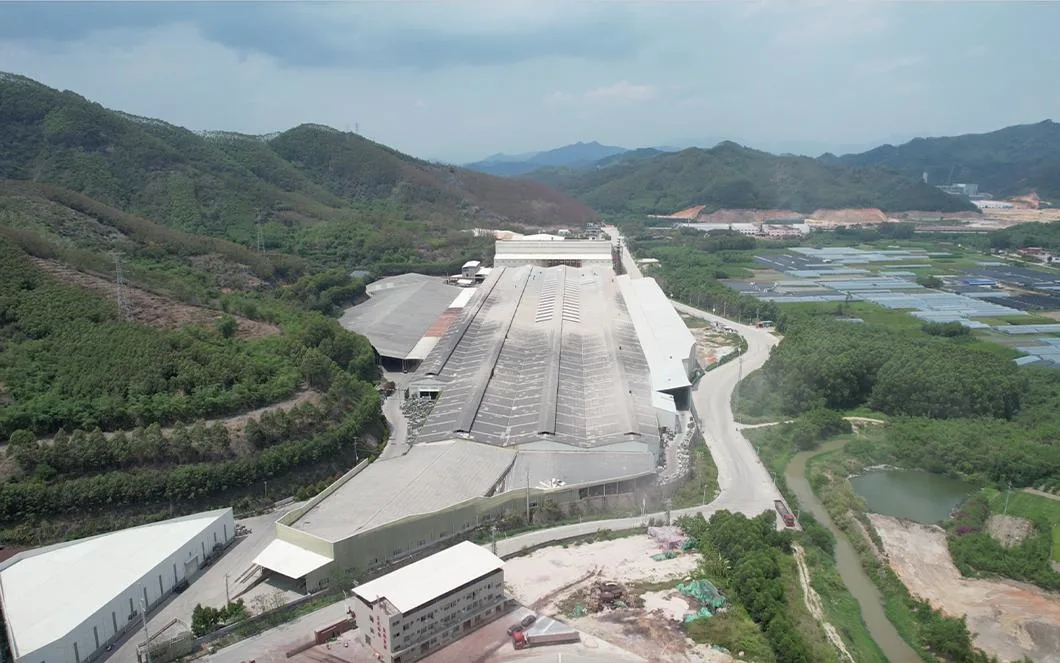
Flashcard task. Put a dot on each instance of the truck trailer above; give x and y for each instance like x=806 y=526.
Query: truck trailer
x=785 y=513
x=545 y=631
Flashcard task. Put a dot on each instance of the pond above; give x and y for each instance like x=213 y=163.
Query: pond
x=920 y=496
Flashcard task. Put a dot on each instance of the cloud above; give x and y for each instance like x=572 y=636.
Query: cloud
x=369 y=35
x=622 y=92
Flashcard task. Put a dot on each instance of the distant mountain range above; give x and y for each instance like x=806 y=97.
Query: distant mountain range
x=569 y=156
x=1010 y=161
x=732 y=176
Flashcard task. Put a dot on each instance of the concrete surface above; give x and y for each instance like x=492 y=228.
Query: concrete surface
x=272 y=645
x=208 y=588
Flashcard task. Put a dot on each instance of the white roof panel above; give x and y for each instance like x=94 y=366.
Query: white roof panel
x=420 y=582
x=290 y=560
x=50 y=592
x=663 y=336
x=461 y=300
x=422 y=348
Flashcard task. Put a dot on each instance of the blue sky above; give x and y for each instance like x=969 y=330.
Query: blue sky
x=458 y=81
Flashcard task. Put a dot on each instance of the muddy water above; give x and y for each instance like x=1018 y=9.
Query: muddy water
x=868 y=597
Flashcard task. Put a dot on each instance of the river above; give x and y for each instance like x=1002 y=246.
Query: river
x=868 y=597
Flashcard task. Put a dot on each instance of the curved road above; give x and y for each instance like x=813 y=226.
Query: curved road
x=745 y=484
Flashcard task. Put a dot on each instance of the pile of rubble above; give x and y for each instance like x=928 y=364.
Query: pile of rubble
x=416 y=411
x=606 y=594
x=671 y=540
x=677 y=450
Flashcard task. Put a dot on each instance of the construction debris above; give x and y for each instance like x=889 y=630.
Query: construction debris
x=606 y=594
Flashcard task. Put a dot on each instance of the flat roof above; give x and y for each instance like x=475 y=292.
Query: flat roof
x=421 y=582
x=399 y=312
x=551 y=256
x=542 y=354
x=290 y=560
x=48 y=592
x=577 y=467
x=429 y=477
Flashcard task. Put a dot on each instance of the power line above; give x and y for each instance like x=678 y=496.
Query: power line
x=124 y=310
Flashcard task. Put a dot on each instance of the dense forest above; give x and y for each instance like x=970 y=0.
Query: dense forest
x=1010 y=161
x=86 y=396
x=300 y=187
x=731 y=176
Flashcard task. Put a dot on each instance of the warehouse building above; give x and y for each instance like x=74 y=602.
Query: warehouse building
x=402 y=316
x=67 y=602
x=549 y=253
x=405 y=615
x=551 y=385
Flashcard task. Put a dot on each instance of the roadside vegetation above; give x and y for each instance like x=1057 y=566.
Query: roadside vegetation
x=751 y=562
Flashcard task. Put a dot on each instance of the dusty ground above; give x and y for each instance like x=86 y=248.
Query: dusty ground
x=711 y=346
x=155 y=310
x=1008 y=530
x=546 y=577
x=1007 y=619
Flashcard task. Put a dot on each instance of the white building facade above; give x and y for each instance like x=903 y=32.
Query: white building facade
x=65 y=603
x=549 y=253
x=409 y=613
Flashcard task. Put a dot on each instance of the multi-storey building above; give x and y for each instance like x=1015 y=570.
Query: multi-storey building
x=409 y=613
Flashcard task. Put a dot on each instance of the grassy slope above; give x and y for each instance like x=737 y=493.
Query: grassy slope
x=1032 y=507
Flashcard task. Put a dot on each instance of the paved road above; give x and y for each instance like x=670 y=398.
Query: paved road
x=397 y=440
x=627 y=258
x=272 y=645
x=208 y=588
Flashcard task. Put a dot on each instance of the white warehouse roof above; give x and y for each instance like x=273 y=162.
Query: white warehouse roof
x=290 y=560
x=663 y=335
x=49 y=592
x=421 y=582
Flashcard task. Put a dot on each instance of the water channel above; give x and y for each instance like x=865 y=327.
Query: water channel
x=868 y=597
x=920 y=496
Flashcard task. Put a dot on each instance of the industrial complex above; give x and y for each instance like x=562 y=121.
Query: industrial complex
x=556 y=383
x=67 y=602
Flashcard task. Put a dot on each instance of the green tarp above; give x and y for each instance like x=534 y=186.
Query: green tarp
x=705 y=592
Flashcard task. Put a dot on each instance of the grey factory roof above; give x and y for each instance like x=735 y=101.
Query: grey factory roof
x=399 y=311
x=577 y=467
x=663 y=335
x=428 y=478
x=542 y=353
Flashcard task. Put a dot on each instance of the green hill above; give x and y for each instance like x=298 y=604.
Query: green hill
x=731 y=176
x=223 y=184
x=1010 y=161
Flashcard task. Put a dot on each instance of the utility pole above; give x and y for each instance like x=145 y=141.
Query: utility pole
x=228 y=599
x=1007 y=493
x=669 y=505
x=147 y=635
x=528 y=498
x=493 y=538
x=119 y=278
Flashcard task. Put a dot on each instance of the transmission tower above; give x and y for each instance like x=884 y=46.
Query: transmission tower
x=261 y=239
x=123 y=302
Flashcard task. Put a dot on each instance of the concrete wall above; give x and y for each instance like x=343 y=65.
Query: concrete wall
x=121 y=613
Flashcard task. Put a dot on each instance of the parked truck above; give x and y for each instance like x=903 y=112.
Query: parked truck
x=545 y=631
x=785 y=513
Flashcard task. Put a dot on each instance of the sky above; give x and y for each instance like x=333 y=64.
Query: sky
x=459 y=80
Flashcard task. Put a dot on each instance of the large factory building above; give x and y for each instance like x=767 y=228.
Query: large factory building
x=552 y=384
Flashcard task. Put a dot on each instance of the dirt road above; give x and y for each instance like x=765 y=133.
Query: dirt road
x=1007 y=619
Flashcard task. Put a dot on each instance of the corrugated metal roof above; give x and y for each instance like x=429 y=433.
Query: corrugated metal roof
x=663 y=335
x=290 y=560
x=399 y=312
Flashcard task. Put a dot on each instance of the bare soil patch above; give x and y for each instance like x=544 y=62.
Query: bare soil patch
x=1007 y=619
x=1008 y=530
x=155 y=310
x=711 y=345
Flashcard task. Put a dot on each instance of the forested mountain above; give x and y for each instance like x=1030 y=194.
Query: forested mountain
x=579 y=155
x=223 y=184
x=731 y=176
x=1010 y=161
